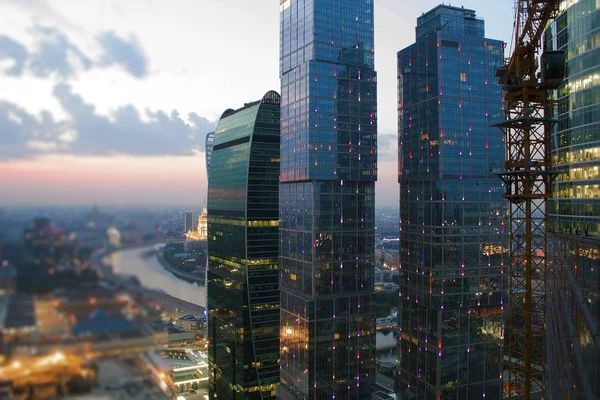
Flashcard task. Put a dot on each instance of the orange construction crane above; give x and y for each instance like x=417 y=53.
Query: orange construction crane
x=527 y=178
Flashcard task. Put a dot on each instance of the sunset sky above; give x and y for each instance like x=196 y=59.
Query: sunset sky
x=108 y=102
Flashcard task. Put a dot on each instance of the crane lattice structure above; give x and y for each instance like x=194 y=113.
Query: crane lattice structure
x=527 y=178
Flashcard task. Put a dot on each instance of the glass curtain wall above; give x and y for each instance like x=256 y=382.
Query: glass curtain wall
x=327 y=199
x=243 y=246
x=453 y=219
x=574 y=212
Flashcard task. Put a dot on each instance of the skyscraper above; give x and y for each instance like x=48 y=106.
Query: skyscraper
x=576 y=142
x=327 y=199
x=453 y=240
x=208 y=148
x=574 y=210
x=243 y=245
x=188 y=221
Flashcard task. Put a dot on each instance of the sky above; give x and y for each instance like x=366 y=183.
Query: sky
x=108 y=102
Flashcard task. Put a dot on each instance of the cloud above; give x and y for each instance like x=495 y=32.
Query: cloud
x=56 y=55
x=10 y=49
x=202 y=125
x=41 y=9
x=387 y=145
x=22 y=133
x=128 y=54
x=125 y=131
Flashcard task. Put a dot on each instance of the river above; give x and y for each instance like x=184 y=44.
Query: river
x=152 y=275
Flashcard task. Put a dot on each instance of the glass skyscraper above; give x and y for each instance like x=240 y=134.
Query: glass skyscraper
x=328 y=174
x=453 y=219
x=208 y=147
x=574 y=212
x=575 y=208
x=243 y=246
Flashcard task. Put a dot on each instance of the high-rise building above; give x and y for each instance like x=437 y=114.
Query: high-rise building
x=188 y=221
x=208 y=148
x=243 y=244
x=575 y=207
x=574 y=210
x=327 y=199
x=453 y=226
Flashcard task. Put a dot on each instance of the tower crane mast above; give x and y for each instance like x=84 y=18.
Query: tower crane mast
x=527 y=178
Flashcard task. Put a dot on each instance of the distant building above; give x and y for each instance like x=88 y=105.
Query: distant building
x=195 y=241
x=201 y=228
x=8 y=278
x=114 y=236
x=187 y=323
x=100 y=322
x=203 y=224
x=453 y=219
x=243 y=243
x=189 y=223
x=17 y=316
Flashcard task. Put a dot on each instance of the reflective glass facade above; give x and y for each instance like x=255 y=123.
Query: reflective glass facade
x=453 y=219
x=208 y=147
x=243 y=246
x=574 y=212
x=576 y=140
x=328 y=173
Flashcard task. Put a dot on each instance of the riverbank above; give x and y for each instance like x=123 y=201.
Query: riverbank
x=156 y=282
x=192 y=278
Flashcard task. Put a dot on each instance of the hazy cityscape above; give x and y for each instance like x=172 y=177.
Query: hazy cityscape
x=316 y=199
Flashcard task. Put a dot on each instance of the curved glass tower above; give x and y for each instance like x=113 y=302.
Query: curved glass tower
x=453 y=240
x=243 y=246
x=328 y=174
x=208 y=148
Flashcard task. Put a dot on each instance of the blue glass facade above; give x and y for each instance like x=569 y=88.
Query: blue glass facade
x=328 y=172
x=453 y=240
x=575 y=207
x=574 y=210
x=243 y=247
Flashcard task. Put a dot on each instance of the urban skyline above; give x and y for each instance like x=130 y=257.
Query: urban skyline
x=484 y=304
x=165 y=79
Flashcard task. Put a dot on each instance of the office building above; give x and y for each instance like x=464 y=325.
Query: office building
x=243 y=247
x=453 y=219
x=574 y=210
x=327 y=199
x=208 y=148
x=189 y=222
